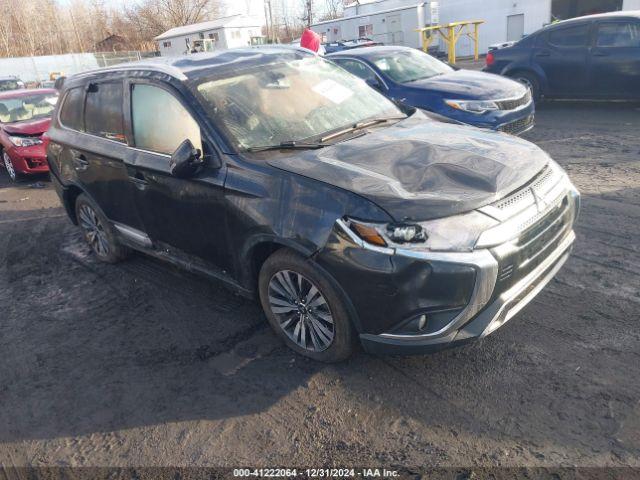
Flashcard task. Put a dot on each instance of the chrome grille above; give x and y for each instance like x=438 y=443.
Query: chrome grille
x=517 y=127
x=513 y=103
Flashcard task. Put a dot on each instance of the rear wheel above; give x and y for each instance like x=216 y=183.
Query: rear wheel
x=8 y=165
x=530 y=80
x=304 y=308
x=98 y=232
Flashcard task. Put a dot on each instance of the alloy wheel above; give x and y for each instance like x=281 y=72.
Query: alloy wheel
x=93 y=230
x=301 y=310
x=9 y=166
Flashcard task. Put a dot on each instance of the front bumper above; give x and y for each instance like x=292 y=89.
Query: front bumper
x=509 y=267
x=29 y=160
x=490 y=318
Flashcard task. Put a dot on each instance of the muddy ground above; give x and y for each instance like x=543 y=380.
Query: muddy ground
x=140 y=364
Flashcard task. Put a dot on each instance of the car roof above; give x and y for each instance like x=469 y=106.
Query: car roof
x=597 y=16
x=370 y=52
x=8 y=77
x=198 y=64
x=25 y=92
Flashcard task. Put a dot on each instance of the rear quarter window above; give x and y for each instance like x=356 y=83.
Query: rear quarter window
x=71 y=110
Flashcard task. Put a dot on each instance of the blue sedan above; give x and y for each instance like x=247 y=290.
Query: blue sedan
x=413 y=78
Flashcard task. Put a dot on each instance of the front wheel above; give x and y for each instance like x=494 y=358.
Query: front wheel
x=8 y=165
x=529 y=80
x=304 y=308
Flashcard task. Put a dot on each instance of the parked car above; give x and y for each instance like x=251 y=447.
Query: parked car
x=412 y=77
x=272 y=170
x=343 y=45
x=24 y=117
x=10 y=82
x=591 y=57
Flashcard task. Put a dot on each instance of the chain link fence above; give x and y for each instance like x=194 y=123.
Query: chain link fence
x=38 y=69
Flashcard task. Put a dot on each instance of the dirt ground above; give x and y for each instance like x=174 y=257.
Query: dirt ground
x=139 y=364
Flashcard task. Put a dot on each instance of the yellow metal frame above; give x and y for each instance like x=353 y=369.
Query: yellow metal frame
x=451 y=33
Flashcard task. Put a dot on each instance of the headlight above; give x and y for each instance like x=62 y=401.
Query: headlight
x=25 y=141
x=458 y=233
x=472 y=106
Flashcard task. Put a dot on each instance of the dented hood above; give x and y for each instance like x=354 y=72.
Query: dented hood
x=419 y=169
x=28 y=127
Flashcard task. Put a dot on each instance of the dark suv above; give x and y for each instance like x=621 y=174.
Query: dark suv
x=289 y=179
x=597 y=56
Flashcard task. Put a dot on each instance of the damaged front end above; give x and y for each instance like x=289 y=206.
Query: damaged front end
x=435 y=284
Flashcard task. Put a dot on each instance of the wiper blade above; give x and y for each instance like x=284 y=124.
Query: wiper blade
x=360 y=126
x=288 y=145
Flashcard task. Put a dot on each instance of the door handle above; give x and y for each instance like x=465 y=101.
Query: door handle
x=80 y=162
x=600 y=54
x=543 y=53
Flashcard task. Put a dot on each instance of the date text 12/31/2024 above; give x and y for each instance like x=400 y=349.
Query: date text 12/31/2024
x=316 y=472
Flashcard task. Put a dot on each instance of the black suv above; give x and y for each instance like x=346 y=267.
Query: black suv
x=289 y=179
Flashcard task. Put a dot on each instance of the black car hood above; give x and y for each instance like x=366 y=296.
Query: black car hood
x=466 y=84
x=421 y=169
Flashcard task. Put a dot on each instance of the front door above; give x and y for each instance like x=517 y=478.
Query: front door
x=183 y=216
x=615 y=59
x=563 y=55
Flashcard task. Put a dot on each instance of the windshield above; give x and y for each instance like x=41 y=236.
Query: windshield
x=291 y=102
x=27 y=107
x=7 y=85
x=410 y=65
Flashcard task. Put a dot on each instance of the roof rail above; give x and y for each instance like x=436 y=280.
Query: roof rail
x=159 y=67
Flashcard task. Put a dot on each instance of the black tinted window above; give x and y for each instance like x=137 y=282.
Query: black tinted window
x=71 y=112
x=103 y=111
x=620 y=34
x=577 y=36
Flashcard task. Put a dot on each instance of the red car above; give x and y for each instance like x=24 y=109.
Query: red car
x=24 y=116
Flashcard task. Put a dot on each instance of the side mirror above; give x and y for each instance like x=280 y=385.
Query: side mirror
x=186 y=160
x=374 y=83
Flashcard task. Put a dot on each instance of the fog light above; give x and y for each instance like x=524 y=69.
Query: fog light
x=422 y=322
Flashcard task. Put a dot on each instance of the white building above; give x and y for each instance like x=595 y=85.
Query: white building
x=393 y=22
x=223 y=33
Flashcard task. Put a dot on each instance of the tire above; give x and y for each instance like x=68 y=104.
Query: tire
x=14 y=176
x=98 y=232
x=530 y=80
x=304 y=308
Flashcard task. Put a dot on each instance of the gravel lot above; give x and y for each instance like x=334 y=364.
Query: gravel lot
x=140 y=364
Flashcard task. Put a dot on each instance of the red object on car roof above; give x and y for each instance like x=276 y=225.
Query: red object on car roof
x=310 y=40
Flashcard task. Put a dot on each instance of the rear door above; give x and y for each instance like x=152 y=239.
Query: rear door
x=184 y=216
x=93 y=147
x=563 y=54
x=615 y=59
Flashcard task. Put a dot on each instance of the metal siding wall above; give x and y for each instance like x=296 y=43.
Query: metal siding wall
x=537 y=13
x=349 y=26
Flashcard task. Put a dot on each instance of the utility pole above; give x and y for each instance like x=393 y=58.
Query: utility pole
x=309 y=8
x=273 y=30
x=266 y=18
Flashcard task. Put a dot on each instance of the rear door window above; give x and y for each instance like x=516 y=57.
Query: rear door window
x=103 y=111
x=577 y=36
x=160 y=122
x=618 y=34
x=71 y=111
